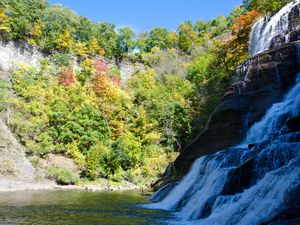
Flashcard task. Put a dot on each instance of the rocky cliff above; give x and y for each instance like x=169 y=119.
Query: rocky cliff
x=266 y=77
x=15 y=52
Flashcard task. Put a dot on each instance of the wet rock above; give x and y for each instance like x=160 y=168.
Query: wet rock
x=163 y=192
x=250 y=146
x=293 y=124
x=269 y=77
x=240 y=178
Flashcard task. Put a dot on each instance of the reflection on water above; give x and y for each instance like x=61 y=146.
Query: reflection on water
x=76 y=207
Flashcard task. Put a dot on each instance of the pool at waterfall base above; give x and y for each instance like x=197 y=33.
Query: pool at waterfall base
x=77 y=207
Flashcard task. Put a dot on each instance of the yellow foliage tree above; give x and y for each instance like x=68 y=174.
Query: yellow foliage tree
x=81 y=49
x=174 y=38
x=64 y=41
x=3 y=20
x=36 y=33
x=93 y=48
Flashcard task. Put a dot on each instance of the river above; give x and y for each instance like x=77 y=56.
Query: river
x=77 y=207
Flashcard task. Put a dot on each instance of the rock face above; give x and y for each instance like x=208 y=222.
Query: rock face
x=14 y=53
x=127 y=68
x=266 y=78
x=14 y=165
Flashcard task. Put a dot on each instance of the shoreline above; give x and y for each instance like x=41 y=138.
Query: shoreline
x=16 y=186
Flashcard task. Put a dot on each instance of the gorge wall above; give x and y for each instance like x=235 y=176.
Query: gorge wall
x=14 y=53
x=266 y=77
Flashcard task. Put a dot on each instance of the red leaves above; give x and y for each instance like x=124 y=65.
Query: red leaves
x=67 y=76
x=245 y=21
x=103 y=76
x=116 y=80
x=100 y=84
x=101 y=69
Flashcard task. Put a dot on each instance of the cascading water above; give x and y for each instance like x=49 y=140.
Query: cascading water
x=275 y=116
x=207 y=196
x=256 y=182
x=269 y=31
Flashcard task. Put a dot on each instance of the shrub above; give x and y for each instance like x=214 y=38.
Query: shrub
x=95 y=161
x=3 y=94
x=62 y=176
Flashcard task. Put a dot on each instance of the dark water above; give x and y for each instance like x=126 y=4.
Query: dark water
x=76 y=207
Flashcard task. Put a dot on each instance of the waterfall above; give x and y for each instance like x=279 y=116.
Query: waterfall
x=275 y=116
x=256 y=182
x=210 y=194
x=271 y=30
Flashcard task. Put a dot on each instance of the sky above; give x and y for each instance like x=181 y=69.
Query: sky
x=143 y=15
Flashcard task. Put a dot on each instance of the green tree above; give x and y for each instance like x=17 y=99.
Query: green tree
x=265 y=6
x=125 y=42
x=187 y=36
x=23 y=15
x=84 y=30
x=158 y=37
x=107 y=37
x=141 y=41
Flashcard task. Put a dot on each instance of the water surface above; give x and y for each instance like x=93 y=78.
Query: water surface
x=77 y=207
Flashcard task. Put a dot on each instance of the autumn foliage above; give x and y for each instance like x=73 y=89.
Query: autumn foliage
x=237 y=47
x=103 y=75
x=244 y=22
x=67 y=76
x=101 y=68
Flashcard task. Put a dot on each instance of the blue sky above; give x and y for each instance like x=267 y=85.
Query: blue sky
x=143 y=15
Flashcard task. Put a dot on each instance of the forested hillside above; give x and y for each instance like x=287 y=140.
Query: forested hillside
x=74 y=105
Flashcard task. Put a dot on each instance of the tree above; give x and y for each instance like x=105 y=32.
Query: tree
x=174 y=38
x=67 y=76
x=158 y=37
x=3 y=21
x=125 y=42
x=187 y=36
x=141 y=41
x=201 y=27
x=23 y=15
x=237 y=47
x=235 y=13
x=106 y=37
x=265 y=6
x=57 y=22
x=93 y=48
x=36 y=33
x=64 y=42
x=84 y=30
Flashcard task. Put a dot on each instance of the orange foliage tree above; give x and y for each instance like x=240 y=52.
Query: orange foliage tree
x=244 y=23
x=101 y=77
x=67 y=76
x=237 y=47
x=101 y=68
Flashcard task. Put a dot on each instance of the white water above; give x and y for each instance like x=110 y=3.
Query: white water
x=202 y=196
x=176 y=194
x=266 y=29
x=199 y=198
x=271 y=121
